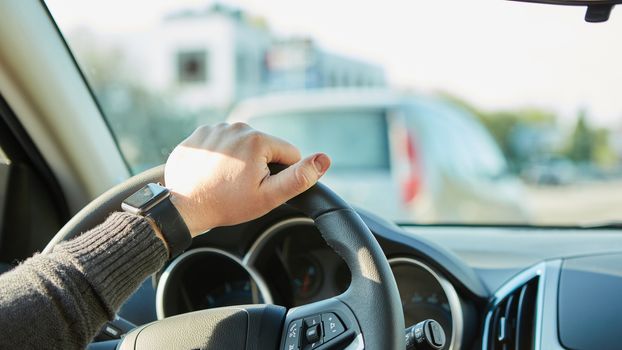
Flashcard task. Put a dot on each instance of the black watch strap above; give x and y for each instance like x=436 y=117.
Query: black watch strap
x=172 y=226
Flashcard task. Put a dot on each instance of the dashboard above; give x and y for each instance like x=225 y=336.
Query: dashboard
x=300 y=269
x=498 y=289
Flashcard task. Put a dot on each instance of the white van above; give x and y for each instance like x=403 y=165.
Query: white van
x=420 y=157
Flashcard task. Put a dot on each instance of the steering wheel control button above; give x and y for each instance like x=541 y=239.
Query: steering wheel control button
x=312 y=321
x=312 y=345
x=313 y=334
x=292 y=340
x=332 y=326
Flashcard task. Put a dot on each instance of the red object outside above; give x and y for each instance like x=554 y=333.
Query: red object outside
x=412 y=183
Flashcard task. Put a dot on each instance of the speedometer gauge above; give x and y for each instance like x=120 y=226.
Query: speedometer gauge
x=229 y=293
x=205 y=278
x=423 y=295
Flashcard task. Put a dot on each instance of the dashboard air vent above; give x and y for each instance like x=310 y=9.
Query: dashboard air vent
x=512 y=324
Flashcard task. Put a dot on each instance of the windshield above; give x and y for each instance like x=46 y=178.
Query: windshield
x=480 y=111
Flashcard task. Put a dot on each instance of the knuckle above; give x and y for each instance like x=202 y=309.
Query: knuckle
x=301 y=178
x=203 y=129
x=255 y=137
x=239 y=126
x=221 y=125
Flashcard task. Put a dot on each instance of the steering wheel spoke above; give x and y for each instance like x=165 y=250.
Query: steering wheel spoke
x=326 y=324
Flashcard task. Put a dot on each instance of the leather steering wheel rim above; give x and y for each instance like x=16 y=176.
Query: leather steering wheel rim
x=372 y=297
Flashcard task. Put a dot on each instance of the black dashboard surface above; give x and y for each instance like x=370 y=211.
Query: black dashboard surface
x=474 y=262
x=296 y=267
x=590 y=306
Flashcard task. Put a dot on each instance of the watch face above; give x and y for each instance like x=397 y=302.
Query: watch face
x=145 y=196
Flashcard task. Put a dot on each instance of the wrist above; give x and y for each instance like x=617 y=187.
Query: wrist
x=187 y=211
x=153 y=201
x=158 y=233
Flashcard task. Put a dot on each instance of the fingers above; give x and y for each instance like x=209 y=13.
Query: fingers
x=275 y=150
x=280 y=151
x=247 y=143
x=295 y=179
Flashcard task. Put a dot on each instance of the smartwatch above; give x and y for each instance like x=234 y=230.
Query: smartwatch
x=153 y=201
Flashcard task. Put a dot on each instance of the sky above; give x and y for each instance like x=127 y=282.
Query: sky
x=495 y=54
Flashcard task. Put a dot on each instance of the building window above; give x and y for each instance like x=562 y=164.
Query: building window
x=192 y=66
x=242 y=71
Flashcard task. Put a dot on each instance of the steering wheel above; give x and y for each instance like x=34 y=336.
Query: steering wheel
x=368 y=315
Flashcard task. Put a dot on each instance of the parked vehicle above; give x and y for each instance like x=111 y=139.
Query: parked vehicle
x=422 y=157
x=550 y=170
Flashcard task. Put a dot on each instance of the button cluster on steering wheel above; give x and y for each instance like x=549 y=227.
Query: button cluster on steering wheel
x=313 y=331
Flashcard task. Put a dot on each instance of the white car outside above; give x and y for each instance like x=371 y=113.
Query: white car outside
x=405 y=157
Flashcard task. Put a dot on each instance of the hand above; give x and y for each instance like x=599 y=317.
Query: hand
x=219 y=175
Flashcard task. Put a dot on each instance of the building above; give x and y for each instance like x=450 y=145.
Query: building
x=207 y=60
x=222 y=55
x=211 y=58
x=300 y=64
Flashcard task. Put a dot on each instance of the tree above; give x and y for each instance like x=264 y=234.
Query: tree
x=581 y=146
x=509 y=128
x=146 y=123
x=590 y=145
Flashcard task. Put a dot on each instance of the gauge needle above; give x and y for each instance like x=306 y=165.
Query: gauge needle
x=305 y=284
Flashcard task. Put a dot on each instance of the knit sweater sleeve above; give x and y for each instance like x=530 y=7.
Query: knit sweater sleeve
x=60 y=300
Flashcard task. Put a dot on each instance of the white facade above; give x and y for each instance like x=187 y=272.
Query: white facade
x=227 y=51
x=212 y=59
x=233 y=54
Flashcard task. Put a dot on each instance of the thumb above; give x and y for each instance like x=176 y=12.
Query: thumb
x=295 y=179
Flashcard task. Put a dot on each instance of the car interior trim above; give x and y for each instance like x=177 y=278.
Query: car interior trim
x=547 y=273
x=426 y=248
x=47 y=96
x=90 y=89
x=548 y=322
x=457 y=317
x=536 y=271
x=166 y=275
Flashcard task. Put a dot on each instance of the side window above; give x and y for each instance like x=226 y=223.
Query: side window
x=32 y=206
x=356 y=139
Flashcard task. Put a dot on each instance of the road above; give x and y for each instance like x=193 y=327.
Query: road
x=576 y=204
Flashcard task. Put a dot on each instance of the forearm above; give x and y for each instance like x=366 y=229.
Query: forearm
x=60 y=300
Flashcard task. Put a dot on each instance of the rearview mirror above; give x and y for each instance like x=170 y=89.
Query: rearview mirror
x=597 y=10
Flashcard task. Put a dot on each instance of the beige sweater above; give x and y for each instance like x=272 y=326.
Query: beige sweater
x=61 y=300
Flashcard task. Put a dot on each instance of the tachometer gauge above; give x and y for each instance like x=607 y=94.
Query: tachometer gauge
x=306 y=276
